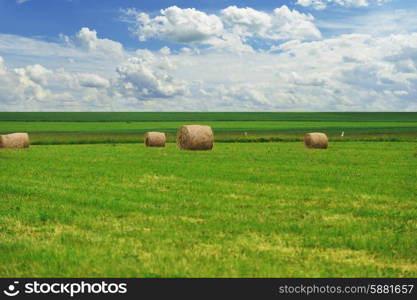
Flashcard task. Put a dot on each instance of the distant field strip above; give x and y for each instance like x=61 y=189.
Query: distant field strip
x=220 y=126
x=93 y=128
x=209 y=116
x=237 y=131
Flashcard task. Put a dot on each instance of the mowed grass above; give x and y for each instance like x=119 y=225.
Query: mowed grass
x=241 y=210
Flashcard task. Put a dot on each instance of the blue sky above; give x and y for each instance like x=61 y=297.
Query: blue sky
x=297 y=55
x=49 y=18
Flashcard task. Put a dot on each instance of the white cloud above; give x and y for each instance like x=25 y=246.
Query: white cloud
x=23 y=86
x=87 y=39
x=147 y=76
x=65 y=54
x=227 y=31
x=92 y=81
x=177 y=25
x=247 y=21
x=291 y=24
x=321 y=75
x=35 y=87
x=348 y=72
x=165 y=50
x=282 y=24
x=322 y=4
x=21 y=1
x=35 y=73
x=316 y=4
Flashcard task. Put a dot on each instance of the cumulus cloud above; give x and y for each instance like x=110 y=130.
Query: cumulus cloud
x=25 y=85
x=247 y=21
x=282 y=24
x=87 y=40
x=177 y=25
x=147 y=76
x=291 y=24
x=35 y=73
x=184 y=26
x=227 y=31
x=35 y=87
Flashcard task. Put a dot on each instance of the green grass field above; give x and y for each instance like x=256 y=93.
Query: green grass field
x=88 y=199
x=259 y=209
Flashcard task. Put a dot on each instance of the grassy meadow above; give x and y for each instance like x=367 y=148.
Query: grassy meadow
x=89 y=200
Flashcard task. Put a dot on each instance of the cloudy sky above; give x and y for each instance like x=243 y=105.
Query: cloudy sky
x=208 y=55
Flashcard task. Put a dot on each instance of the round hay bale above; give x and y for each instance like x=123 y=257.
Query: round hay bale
x=14 y=140
x=155 y=139
x=316 y=140
x=195 y=137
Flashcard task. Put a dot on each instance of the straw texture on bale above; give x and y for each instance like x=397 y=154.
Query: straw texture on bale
x=155 y=139
x=195 y=137
x=316 y=140
x=14 y=140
